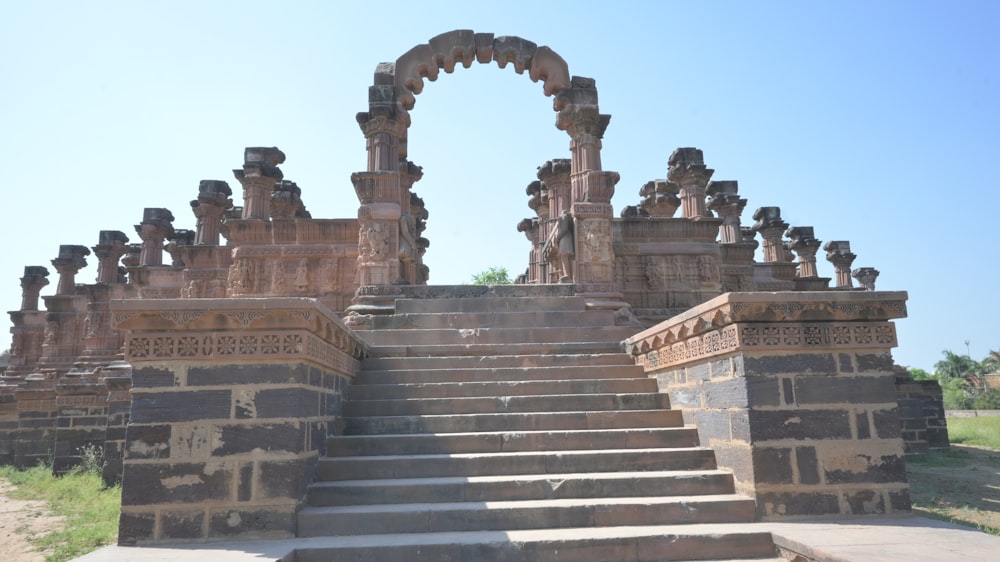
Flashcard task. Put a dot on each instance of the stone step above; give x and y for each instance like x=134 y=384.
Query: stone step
x=723 y=542
x=521 y=487
x=496 y=374
x=491 y=304
x=507 y=404
x=481 y=349
x=456 y=423
x=534 y=462
x=496 y=336
x=455 y=320
x=496 y=361
x=506 y=441
x=527 y=514
x=501 y=388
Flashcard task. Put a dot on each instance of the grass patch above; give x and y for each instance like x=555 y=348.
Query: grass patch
x=91 y=509
x=981 y=432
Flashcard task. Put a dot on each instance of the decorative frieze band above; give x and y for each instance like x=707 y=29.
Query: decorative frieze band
x=776 y=336
x=257 y=346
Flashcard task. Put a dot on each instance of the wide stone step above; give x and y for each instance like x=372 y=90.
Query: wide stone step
x=724 y=542
x=528 y=514
x=507 y=404
x=501 y=388
x=493 y=374
x=534 y=462
x=534 y=318
x=505 y=441
x=482 y=349
x=491 y=304
x=496 y=336
x=521 y=487
x=456 y=423
x=496 y=361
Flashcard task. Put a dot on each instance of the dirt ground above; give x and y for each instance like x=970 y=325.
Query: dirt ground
x=20 y=519
x=962 y=484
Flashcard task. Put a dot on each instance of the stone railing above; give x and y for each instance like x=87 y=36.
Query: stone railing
x=232 y=401
x=794 y=391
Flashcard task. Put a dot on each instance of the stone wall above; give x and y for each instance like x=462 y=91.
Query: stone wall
x=921 y=414
x=232 y=401
x=794 y=392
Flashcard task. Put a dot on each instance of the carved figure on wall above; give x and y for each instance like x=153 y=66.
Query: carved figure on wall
x=708 y=270
x=561 y=246
x=51 y=329
x=216 y=289
x=241 y=276
x=654 y=273
x=407 y=244
x=278 y=278
x=328 y=275
x=677 y=269
x=597 y=240
x=373 y=242
x=302 y=276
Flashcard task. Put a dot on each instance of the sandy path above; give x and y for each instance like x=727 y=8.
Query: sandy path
x=20 y=519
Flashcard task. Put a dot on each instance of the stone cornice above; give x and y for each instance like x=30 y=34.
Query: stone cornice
x=291 y=326
x=771 y=308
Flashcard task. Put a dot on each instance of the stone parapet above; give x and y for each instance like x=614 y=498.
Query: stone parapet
x=232 y=400
x=795 y=392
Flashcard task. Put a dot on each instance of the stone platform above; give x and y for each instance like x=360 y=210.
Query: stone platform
x=881 y=539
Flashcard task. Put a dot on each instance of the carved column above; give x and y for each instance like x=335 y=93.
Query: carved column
x=838 y=252
x=212 y=202
x=409 y=256
x=555 y=191
x=179 y=240
x=286 y=201
x=154 y=229
x=28 y=326
x=727 y=203
x=771 y=227
x=866 y=276
x=35 y=278
x=71 y=260
x=259 y=174
x=111 y=246
x=805 y=245
x=687 y=169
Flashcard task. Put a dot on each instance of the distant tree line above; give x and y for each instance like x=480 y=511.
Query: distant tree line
x=963 y=381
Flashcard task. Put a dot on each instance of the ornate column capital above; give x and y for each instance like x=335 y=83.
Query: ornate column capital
x=771 y=227
x=71 y=259
x=259 y=174
x=866 y=276
x=686 y=167
x=725 y=200
x=660 y=198
x=35 y=278
x=286 y=201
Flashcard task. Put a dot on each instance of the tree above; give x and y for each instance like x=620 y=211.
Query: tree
x=492 y=276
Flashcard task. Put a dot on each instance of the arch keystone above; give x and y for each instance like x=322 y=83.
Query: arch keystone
x=454 y=46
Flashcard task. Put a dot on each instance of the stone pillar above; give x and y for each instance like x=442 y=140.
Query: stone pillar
x=866 y=276
x=180 y=239
x=156 y=226
x=71 y=259
x=687 y=169
x=210 y=206
x=771 y=227
x=119 y=384
x=530 y=229
x=234 y=402
x=838 y=252
x=805 y=245
x=727 y=203
x=378 y=239
x=35 y=278
x=660 y=198
x=409 y=252
x=555 y=190
x=111 y=246
x=796 y=394
x=259 y=174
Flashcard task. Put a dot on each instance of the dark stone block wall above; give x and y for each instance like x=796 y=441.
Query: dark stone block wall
x=921 y=414
x=214 y=451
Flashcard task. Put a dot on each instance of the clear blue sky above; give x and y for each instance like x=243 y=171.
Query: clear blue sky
x=876 y=122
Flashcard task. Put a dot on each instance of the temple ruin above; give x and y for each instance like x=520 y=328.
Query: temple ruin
x=229 y=385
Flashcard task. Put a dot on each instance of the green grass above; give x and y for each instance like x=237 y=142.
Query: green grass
x=91 y=509
x=981 y=432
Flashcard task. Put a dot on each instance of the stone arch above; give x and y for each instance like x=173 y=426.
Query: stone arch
x=385 y=214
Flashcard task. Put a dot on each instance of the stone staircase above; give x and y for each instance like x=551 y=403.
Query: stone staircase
x=513 y=428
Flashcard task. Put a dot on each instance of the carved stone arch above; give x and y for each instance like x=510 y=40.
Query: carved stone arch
x=383 y=189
